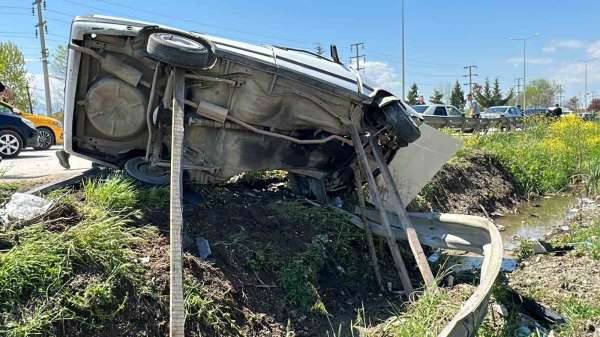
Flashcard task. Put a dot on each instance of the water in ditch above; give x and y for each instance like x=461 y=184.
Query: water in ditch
x=531 y=220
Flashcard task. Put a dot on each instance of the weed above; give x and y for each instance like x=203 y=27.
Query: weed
x=546 y=154
x=585 y=238
x=115 y=193
x=153 y=197
x=202 y=308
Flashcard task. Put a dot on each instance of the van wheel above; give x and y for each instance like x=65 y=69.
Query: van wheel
x=139 y=169
x=46 y=138
x=11 y=144
x=181 y=51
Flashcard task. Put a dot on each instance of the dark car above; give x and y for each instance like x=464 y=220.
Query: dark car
x=535 y=111
x=16 y=133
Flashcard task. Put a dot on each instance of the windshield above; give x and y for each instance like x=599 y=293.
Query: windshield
x=496 y=110
x=420 y=108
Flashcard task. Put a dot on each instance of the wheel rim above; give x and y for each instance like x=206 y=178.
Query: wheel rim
x=44 y=139
x=9 y=145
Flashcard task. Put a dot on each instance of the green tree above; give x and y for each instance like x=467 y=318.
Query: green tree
x=413 y=94
x=436 y=97
x=492 y=96
x=541 y=93
x=457 y=98
x=13 y=74
x=573 y=103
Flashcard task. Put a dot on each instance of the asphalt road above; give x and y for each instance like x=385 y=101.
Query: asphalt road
x=39 y=166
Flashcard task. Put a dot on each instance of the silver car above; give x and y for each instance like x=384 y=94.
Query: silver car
x=502 y=111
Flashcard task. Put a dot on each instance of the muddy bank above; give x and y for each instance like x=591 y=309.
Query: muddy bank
x=478 y=185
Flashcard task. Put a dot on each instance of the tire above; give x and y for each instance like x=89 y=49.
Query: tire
x=11 y=144
x=46 y=138
x=181 y=51
x=139 y=169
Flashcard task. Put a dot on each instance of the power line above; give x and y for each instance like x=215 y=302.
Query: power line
x=470 y=76
x=357 y=47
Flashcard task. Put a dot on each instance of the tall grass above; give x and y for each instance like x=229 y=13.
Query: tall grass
x=548 y=154
x=115 y=193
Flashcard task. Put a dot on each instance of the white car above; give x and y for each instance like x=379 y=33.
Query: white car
x=247 y=107
x=438 y=110
x=508 y=111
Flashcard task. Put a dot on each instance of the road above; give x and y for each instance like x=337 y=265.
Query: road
x=34 y=167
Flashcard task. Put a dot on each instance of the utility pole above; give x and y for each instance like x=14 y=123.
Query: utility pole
x=403 y=72
x=585 y=93
x=470 y=75
x=357 y=47
x=560 y=92
x=41 y=25
x=29 y=99
x=524 y=39
x=518 y=85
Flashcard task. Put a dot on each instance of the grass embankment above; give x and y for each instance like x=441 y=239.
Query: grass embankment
x=547 y=155
x=98 y=266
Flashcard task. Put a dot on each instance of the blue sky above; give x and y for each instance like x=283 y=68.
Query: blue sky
x=441 y=36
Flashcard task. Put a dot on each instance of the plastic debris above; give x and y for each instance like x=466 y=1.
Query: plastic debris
x=23 y=206
x=203 y=248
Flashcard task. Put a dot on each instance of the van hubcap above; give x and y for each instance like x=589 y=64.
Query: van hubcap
x=9 y=145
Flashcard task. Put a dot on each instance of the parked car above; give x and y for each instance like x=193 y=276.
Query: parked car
x=247 y=107
x=535 y=111
x=502 y=111
x=438 y=110
x=50 y=129
x=16 y=133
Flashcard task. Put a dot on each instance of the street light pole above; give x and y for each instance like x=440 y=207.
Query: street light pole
x=403 y=71
x=524 y=39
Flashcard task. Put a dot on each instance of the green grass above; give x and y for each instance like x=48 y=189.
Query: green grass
x=547 y=155
x=427 y=315
x=37 y=273
x=115 y=193
x=200 y=306
x=585 y=238
x=334 y=241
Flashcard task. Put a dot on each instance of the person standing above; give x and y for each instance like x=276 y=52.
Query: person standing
x=421 y=100
x=471 y=107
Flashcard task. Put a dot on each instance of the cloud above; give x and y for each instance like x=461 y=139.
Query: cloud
x=574 y=73
x=38 y=93
x=593 y=50
x=564 y=44
x=531 y=60
x=382 y=75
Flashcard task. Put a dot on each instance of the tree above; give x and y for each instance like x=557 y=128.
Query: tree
x=541 y=93
x=58 y=71
x=457 y=98
x=436 y=97
x=489 y=96
x=413 y=94
x=594 y=105
x=13 y=74
x=573 y=103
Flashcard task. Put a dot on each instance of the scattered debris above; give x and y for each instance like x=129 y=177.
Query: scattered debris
x=203 y=248
x=23 y=206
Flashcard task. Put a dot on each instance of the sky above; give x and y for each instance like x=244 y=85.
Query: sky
x=442 y=36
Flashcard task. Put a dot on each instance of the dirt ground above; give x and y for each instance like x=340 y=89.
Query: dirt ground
x=477 y=185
